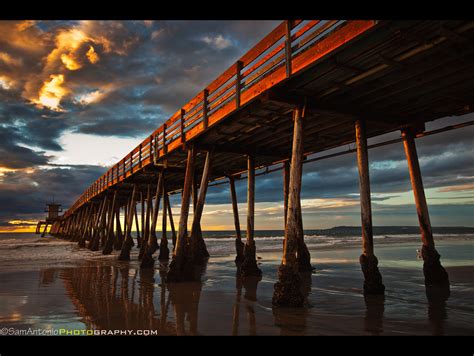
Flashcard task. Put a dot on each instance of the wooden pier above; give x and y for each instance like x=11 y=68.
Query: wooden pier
x=307 y=87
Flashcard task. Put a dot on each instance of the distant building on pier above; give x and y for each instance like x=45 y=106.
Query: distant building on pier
x=53 y=209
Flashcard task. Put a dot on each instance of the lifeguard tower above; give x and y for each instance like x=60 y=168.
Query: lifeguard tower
x=53 y=209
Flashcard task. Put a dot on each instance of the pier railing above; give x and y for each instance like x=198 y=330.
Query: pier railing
x=291 y=47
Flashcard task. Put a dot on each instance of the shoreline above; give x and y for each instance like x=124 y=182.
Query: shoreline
x=21 y=255
x=100 y=292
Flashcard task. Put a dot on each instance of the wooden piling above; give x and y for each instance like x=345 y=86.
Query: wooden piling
x=87 y=218
x=287 y=291
x=82 y=223
x=75 y=232
x=435 y=274
x=170 y=214
x=44 y=230
x=249 y=265
x=164 y=250
x=108 y=218
x=139 y=238
x=118 y=230
x=194 y=195
x=286 y=186
x=368 y=261
x=128 y=241
x=94 y=242
x=198 y=247
x=176 y=271
x=109 y=244
x=151 y=243
x=142 y=202
x=239 y=245
x=146 y=232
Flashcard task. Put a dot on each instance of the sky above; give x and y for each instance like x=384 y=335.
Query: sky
x=76 y=96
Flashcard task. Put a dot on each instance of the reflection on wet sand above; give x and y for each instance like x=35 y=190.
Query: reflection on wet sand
x=250 y=285
x=185 y=299
x=375 y=307
x=292 y=321
x=124 y=297
x=437 y=298
x=117 y=298
x=47 y=276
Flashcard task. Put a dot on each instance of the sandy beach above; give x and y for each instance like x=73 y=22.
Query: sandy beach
x=93 y=292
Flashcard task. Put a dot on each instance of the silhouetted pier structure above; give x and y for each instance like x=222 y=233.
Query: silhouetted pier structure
x=307 y=87
x=53 y=211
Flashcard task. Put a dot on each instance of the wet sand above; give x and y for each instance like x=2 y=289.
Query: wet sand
x=103 y=293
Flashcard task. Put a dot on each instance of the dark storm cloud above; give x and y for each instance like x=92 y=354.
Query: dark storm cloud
x=14 y=156
x=25 y=194
x=120 y=127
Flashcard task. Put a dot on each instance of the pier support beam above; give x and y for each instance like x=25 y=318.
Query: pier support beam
x=435 y=274
x=239 y=245
x=249 y=265
x=170 y=213
x=139 y=238
x=288 y=289
x=151 y=243
x=176 y=272
x=128 y=242
x=146 y=232
x=98 y=226
x=197 y=229
x=164 y=250
x=109 y=244
x=118 y=230
x=198 y=250
x=286 y=187
x=44 y=230
x=153 y=240
x=368 y=261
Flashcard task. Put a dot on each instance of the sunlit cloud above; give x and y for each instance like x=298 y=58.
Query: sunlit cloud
x=68 y=44
x=4 y=170
x=9 y=60
x=5 y=82
x=51 y=93
x=22 y=222
x=92 y=55
x=22 y=26
x=457 y=188
x=89 y=98
x=327 y=203
x=69 y=62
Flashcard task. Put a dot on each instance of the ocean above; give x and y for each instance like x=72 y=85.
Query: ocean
x=30 y=248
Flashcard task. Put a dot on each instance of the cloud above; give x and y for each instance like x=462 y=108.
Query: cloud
x=217 y=41
x=51 y=93
x=118 y=126
x=92 y=55
x=457 y=188
x=14 y=156
x=5 y=82
x=25 y=194
x=90 y=97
